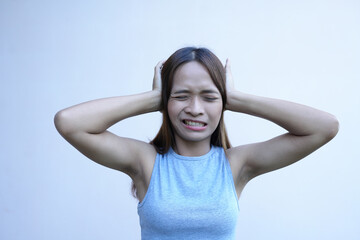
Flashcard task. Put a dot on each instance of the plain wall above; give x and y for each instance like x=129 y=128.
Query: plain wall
x=54 y=54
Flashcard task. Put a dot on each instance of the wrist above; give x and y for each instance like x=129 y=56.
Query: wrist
x=234 y=101
x=155 y=100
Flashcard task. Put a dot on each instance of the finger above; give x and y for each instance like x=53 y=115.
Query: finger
x=228 y=69
x=229 y=77
x=228 y=65
x=157 y=75
x=159 y=65
x=158 y=68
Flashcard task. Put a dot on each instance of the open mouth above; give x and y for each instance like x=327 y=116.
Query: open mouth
x=193 y=123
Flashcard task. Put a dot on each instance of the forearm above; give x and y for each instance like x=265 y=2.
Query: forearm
x=296 y=118
x=98 y=115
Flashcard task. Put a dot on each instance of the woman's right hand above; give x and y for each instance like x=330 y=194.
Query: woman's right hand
x=157 y=76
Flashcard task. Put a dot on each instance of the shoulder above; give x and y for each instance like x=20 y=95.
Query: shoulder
x=237 y=157
x=145 y=155
x=135 y=157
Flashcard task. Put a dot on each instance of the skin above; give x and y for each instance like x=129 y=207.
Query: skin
x=85 y=127
x=195 y=100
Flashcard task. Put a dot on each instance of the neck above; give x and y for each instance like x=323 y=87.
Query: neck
x=192 y=149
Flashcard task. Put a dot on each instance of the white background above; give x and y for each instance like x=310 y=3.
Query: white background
x=54 y=54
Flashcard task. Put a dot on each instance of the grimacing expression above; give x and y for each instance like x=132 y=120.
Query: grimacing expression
x=195 y=104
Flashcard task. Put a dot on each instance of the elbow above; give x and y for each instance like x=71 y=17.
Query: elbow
x=62 y=122
x=332 y=128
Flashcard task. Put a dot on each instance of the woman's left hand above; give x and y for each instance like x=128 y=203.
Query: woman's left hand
x=229 y=78
x=230 y=86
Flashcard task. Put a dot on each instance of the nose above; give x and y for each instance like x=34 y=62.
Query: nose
x=195 y=107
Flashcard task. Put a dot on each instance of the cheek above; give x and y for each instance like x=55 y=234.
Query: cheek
x=172 y=110
x=217 y=112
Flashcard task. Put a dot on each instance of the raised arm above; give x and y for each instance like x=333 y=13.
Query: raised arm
x=308 y=129
x=85 y=127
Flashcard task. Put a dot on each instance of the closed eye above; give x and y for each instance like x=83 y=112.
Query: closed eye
x=180 y=97
x=210 y=98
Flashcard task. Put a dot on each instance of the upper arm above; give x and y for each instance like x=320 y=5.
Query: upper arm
x=276 y=153
x=112 y=151
x=123 y=154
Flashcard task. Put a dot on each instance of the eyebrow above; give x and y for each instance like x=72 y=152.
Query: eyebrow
x=206 y=91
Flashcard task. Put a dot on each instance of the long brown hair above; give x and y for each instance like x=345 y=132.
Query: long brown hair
x=165 y=137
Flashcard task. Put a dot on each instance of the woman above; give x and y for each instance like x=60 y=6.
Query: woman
x=188 y=179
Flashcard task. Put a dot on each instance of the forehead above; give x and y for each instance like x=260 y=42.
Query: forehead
x=192 y=76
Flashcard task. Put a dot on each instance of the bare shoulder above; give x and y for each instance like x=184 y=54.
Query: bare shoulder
x=147 y=156
x=138 y=155
x=237 y=158
x=130 y=156
x=141 y=177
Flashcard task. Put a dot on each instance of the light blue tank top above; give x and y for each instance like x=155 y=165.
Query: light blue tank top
x=190 y=198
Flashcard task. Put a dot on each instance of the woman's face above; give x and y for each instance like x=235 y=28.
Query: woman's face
x=195 y=104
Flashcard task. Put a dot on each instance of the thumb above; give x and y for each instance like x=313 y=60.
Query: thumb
x=228 y=74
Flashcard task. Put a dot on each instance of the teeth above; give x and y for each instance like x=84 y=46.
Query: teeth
x=195 y=124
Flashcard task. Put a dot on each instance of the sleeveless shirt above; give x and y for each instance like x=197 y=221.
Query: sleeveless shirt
x=190 y=198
